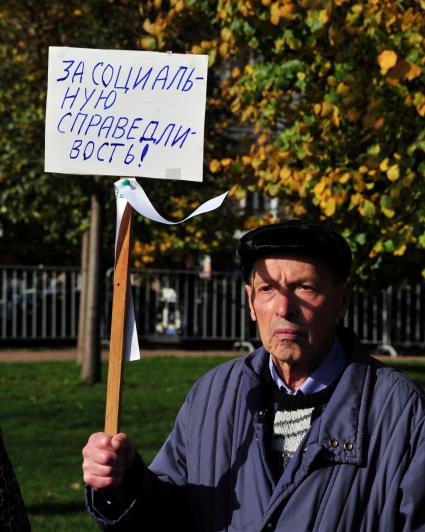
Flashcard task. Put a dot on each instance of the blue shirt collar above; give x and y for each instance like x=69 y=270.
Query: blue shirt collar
x=321 y=377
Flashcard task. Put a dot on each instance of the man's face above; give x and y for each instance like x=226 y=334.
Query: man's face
x=296 y=303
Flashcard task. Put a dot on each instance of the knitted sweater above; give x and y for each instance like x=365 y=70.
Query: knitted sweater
x=289 y=418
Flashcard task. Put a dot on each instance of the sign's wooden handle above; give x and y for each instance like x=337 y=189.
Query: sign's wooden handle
x=118 y=325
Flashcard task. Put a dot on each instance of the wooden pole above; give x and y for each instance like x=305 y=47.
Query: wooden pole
x=118 y=326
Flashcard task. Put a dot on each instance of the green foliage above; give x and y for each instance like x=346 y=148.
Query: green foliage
x=319 y=103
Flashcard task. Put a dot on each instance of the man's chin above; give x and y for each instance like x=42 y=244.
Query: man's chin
x=286 y=350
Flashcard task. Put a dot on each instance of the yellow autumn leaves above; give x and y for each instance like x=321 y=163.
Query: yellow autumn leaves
x=396 y=69
x=216 y=165
x=328 y=195
x=386 y=60
x=355 y=190
x=392 y=172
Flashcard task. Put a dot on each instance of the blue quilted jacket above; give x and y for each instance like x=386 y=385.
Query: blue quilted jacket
x=360 y=467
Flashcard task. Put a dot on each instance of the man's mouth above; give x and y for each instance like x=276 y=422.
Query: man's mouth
x=287 y=333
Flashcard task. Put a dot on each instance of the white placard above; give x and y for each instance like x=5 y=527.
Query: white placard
x=125 y=113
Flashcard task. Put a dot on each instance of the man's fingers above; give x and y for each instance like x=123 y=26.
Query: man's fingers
x=100 y=470
x=106 y=465
x=101 y=440
x=106 y=458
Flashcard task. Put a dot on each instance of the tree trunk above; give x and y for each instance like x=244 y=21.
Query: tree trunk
x=82 y=316
x=90 y=368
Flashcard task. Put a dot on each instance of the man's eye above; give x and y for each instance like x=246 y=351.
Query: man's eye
x=265 y=288
x=306 y=288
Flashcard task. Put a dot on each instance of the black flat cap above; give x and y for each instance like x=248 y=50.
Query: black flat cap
x=313 y=240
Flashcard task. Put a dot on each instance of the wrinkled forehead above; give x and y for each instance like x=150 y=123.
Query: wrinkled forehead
x=296 y=265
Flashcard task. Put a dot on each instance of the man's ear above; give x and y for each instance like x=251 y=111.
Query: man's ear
x=249 y=293
x=345 y=299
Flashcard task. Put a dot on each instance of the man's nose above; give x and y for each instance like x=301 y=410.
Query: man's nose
x=285 y=304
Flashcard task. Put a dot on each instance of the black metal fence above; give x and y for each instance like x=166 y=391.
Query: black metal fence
x=43 y=303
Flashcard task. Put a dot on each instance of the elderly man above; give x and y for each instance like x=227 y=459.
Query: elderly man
x=306 y=433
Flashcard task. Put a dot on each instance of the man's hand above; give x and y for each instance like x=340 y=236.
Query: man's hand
x=106 y=460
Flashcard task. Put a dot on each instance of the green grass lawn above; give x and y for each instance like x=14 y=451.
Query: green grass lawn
x=47 y=415
x=414 y=369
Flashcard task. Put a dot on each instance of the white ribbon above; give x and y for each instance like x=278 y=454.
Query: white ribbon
x=129 y=190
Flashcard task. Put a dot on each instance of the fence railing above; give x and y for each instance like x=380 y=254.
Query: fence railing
x=43 y=304
x=38 y=303
x=170 y=303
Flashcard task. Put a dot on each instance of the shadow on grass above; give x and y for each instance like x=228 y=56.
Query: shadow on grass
x=52 y=508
